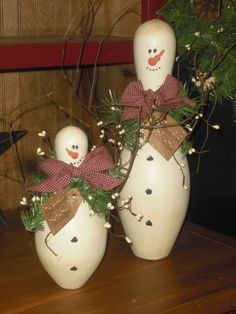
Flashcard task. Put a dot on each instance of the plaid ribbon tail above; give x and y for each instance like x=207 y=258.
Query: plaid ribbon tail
x=58 y=173
x=167 y=96
x=133 y=99
x=138 y=102
x=52 y=184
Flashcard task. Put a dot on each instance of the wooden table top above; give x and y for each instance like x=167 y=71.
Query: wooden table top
x=198 y=277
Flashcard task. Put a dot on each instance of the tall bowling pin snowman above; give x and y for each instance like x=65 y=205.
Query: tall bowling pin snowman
x=72 y=255
x=155 y=184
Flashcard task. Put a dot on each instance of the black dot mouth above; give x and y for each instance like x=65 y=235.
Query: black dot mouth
x=153 y=69
x=76 y=163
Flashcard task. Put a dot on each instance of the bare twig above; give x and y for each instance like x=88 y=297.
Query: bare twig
x=206 y=137
x=220 y=60
x=69 y=114
x=118 y=18
x=10 y=177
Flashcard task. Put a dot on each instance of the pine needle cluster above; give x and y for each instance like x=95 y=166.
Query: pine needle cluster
x=97 y=199
x=126 y=134
x=206 y=49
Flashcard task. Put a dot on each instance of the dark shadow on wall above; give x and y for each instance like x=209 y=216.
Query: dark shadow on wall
x=213 y=189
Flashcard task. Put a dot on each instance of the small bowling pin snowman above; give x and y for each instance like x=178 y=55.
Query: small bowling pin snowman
x=72 y=255
x=155 y=184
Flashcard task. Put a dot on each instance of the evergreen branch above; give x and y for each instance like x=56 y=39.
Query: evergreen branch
x=220 y=60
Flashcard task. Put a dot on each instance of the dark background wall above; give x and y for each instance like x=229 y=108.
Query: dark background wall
x=213 y=189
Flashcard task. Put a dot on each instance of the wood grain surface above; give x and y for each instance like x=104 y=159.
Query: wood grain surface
x=199 y=276
x=24 y=101
x=53 y=18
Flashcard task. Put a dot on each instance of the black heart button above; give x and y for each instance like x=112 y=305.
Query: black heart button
x=74 y=239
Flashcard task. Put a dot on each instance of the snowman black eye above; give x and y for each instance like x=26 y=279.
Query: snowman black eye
x=73 y=146
x=155 y=50
x=76 y=146
x=149 y=50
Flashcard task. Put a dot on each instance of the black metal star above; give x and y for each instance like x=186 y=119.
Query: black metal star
x=7 y=139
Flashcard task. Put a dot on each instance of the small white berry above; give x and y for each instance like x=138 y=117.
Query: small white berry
x=121 y=131
x=188 y=47
x=91 y=212
x=40 y=152
x=191 y=151
x=23 y=201
x=128 y=240
x=110 y=206
x=59 y=258
x=107 y=225
x=115 y=195
x=111 y=141
x=188 y=127
x=100 y=123
x=139 y=217
x=42 y=133
x=220 y=30
x=35 y=198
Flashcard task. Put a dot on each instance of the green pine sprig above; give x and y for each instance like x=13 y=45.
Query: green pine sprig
x=97 y=199
x=32 y=217
x=205 y=48
x=131 y=128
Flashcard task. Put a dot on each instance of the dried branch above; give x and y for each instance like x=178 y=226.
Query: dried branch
x=119 y=17
x=70 y=115
x=220 y=60
x=11 y=177
x=206 y=136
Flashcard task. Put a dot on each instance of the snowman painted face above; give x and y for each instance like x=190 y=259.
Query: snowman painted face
x=153 y=61
x=71 y=145
x=154 y=53
x=74 y=152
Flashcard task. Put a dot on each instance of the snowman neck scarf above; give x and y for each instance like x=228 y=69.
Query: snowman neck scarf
x=138 y=103
x=92 y=170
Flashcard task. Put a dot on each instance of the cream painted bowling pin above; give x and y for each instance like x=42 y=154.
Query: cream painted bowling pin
x=80 y=245
x=155 y=184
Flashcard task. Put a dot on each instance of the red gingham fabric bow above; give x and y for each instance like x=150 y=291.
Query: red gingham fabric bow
x=92 y=170
x=138 y=102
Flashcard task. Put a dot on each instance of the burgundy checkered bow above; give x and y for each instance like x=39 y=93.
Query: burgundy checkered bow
x=92 y=170
x=138 y=102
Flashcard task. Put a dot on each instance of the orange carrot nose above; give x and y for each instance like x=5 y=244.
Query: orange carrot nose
x=72 y=154
x=153 y=60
